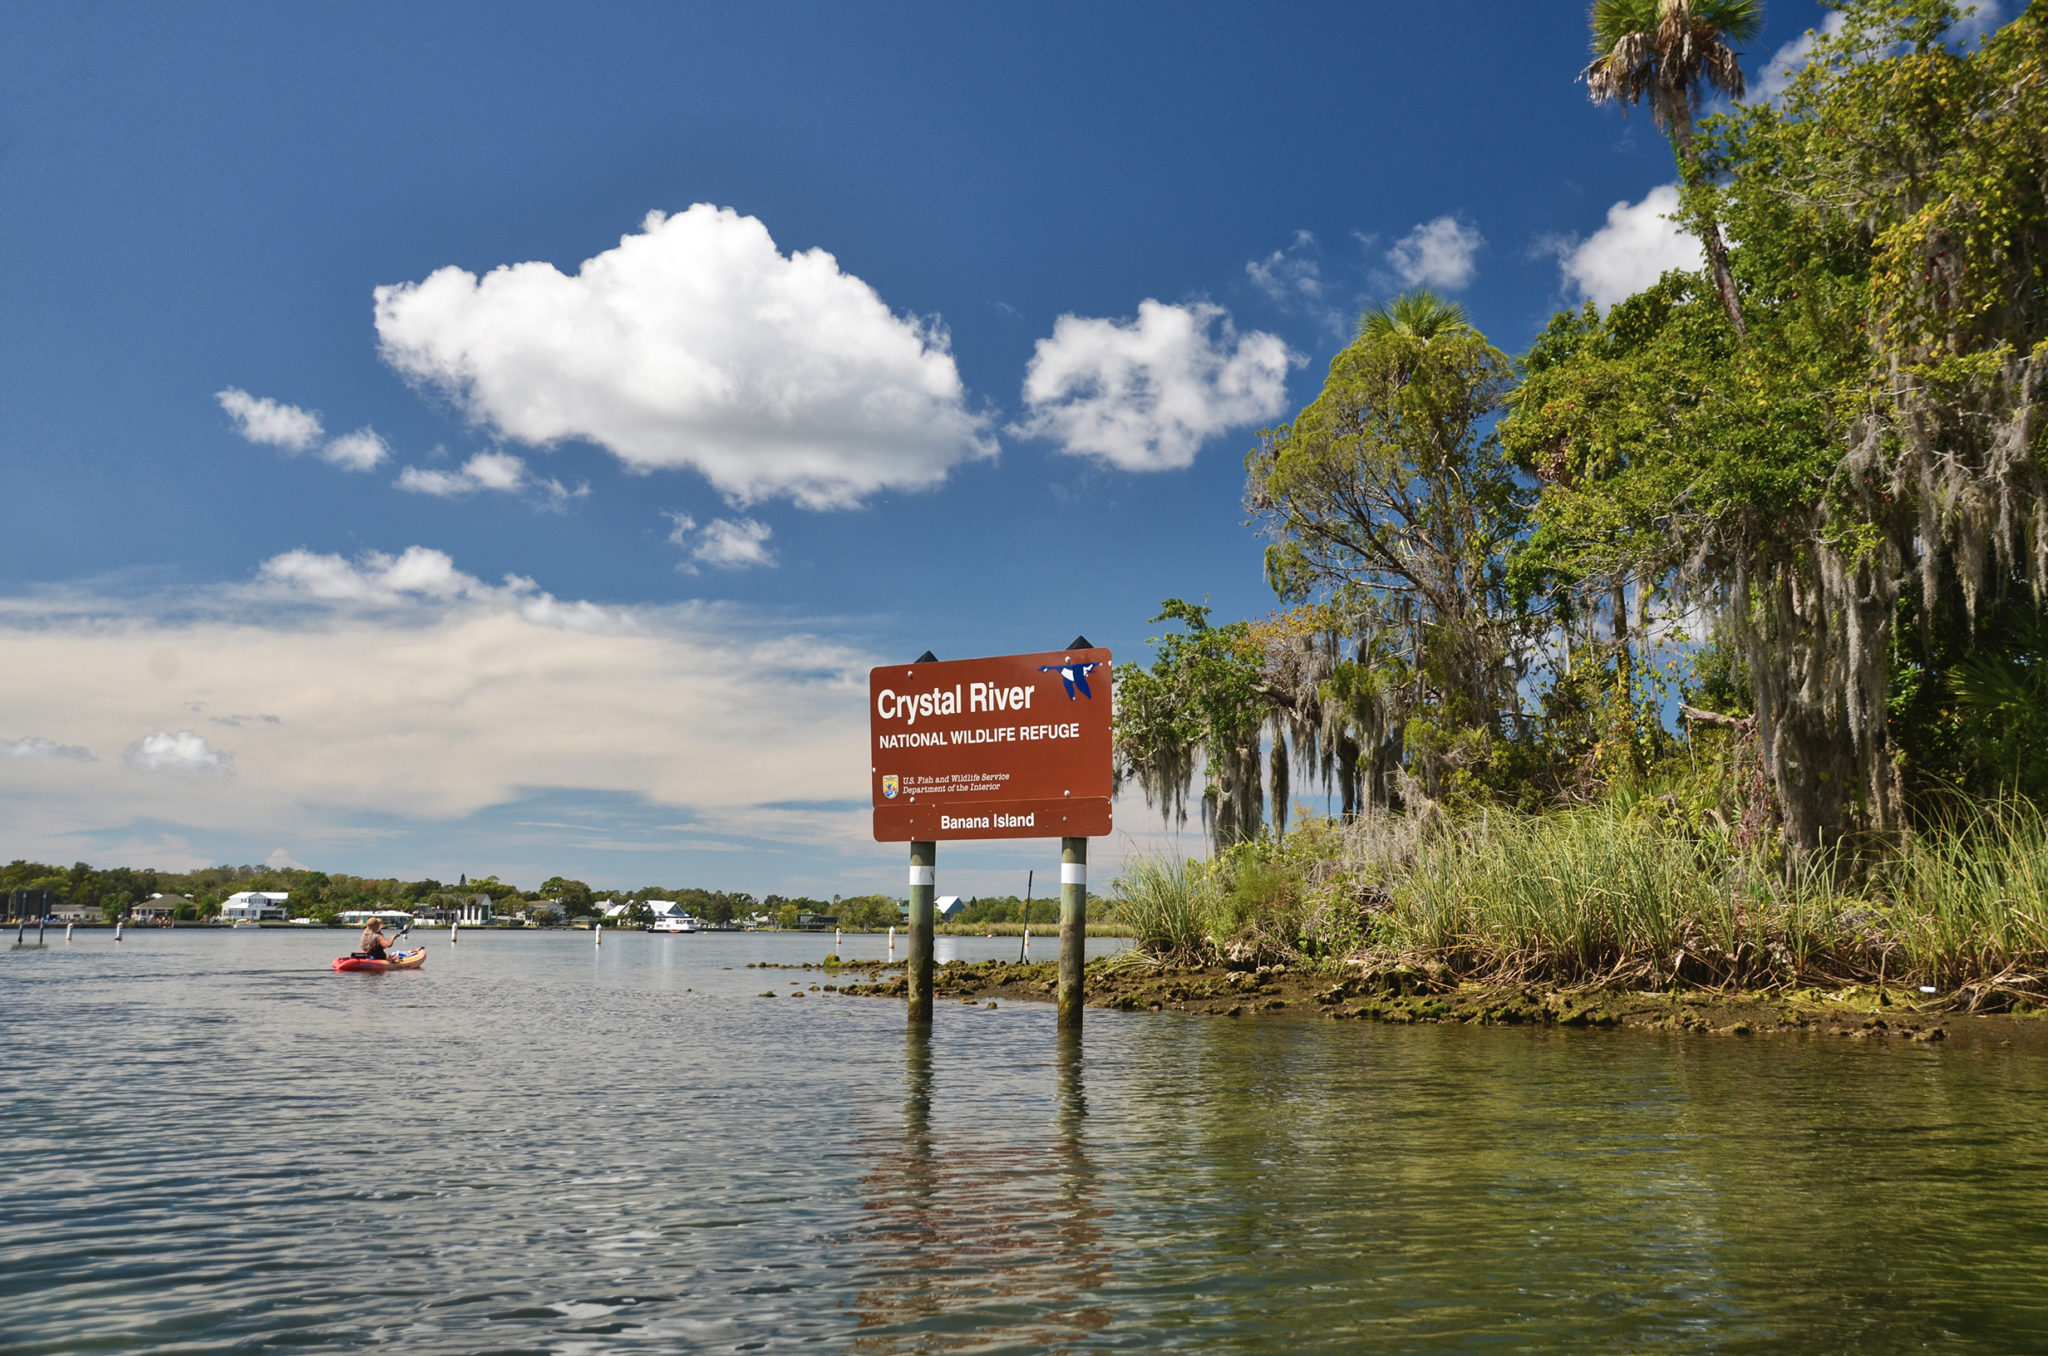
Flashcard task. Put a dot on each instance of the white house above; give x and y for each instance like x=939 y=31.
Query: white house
x=355 y=918
x=254 y=906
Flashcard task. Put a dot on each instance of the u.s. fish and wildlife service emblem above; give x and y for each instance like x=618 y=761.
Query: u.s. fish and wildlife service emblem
x=891 y=784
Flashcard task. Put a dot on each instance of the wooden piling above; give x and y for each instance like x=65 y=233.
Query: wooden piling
x=1073 y=928
x=923 y=888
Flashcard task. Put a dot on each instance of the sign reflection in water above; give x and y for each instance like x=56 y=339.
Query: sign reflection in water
x=965 y=1245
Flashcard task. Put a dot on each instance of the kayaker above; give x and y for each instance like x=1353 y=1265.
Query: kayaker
x=374 y=940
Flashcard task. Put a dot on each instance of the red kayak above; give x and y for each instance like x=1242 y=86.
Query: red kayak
x=398 y=960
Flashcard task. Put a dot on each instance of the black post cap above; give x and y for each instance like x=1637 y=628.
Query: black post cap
x=1080 y=643
x=926 y=658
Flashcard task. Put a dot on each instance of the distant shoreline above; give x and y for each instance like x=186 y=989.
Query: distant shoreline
x=1048 y=928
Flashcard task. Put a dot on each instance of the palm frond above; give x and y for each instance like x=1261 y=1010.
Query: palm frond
x=1676 y=47
x=1420 y=314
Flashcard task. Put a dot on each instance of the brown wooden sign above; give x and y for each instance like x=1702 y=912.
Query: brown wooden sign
x=1012 y=747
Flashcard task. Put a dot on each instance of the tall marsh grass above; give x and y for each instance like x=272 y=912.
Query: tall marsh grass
x=1166 y=903
x=1609 y=894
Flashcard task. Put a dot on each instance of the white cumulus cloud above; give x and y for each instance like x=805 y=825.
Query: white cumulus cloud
x=697 y=343
x=33 y=746
x=1638 y=245
x=1436 y=253
x=444 y=484
x=183 y=751
x=362 y=450
x=722 y=543
x=276 y=424
x=1145 y=394
x=263 y=420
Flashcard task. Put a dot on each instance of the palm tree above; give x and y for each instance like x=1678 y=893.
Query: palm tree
x=1670 y=52
x=1420 y=314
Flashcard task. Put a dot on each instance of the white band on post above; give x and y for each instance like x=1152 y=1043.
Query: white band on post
x=921 y=875
x=1073 y=873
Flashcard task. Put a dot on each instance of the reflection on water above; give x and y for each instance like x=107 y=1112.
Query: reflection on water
x=210 y=1143
x=965 y=1247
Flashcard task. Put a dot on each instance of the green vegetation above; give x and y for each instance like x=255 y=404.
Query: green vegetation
x=1609 y=894
x=1704 y=642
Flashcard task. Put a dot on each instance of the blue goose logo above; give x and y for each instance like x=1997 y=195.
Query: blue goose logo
x=1074 y=676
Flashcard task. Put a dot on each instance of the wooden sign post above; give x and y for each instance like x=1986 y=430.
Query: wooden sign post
x=1016 y=746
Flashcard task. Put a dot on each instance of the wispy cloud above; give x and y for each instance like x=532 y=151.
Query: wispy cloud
x=722 y=543
x=401 y=685
x=421 y=577
x=33 y=746
x=1292 y=275
x=489 y=471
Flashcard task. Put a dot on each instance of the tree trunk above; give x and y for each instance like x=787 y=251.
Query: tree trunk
x=1277 y=774
x=1679 y=120
x=1347 y=777
x=1817 y=650
x=1724 y=281
x=1618 y=606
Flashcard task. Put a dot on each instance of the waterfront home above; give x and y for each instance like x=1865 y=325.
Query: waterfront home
x=157 y=907
x=945 y=906
x=469 y=910
x=254 y=906
x=355 y=918
x=615 y=910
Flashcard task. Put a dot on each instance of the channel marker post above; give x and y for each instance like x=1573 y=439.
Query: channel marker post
x=1015 y=746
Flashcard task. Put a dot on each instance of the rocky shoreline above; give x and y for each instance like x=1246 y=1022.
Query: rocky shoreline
x=1854 y=1013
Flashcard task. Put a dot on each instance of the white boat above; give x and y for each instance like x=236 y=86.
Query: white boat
x=673 y=923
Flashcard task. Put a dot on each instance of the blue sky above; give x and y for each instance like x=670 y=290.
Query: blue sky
x=566 y=569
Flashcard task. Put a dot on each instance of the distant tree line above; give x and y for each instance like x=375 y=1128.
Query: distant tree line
x=322 y=896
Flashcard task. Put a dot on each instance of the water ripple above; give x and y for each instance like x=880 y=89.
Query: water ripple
x=212 y=1144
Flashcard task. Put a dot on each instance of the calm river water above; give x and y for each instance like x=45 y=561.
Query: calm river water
x=211 y=1144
